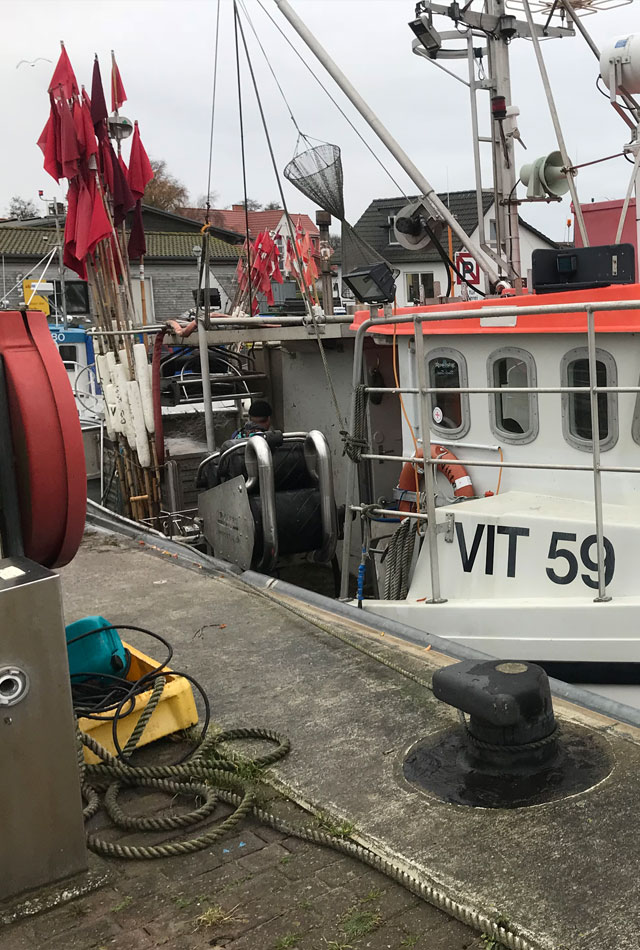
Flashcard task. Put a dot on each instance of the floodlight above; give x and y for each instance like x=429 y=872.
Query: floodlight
x=373 y=283
x=427 y=34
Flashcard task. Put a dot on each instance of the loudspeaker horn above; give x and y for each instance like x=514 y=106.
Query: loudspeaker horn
x=545 y=177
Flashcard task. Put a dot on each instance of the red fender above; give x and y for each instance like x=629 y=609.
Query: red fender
x=455 y=473
x=47 y=440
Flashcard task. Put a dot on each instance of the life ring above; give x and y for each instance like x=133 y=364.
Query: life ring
x=455 y=473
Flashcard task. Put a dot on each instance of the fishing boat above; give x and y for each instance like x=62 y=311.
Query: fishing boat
x=515 y=535
x=514 y=532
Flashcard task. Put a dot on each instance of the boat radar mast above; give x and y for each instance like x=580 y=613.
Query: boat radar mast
x=481 y=37
x=434 y=208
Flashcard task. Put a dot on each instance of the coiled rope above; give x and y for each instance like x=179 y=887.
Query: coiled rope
x=398 y=557
x=215 y=775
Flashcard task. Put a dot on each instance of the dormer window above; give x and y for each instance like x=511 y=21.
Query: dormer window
x=391 y=220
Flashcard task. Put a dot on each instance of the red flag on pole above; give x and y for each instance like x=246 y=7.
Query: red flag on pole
x=69 y=254
x=63 y=83
x=118 y=95
x=137 y=243
x=69 y=152
x=140 y=170
x=47 y=143
x=99 y=111
x=123 y=200
x=91 y=146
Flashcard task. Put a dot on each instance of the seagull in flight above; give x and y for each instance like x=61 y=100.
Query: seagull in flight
x=29 y=62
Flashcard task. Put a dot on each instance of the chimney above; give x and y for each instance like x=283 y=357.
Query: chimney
x=237 y=207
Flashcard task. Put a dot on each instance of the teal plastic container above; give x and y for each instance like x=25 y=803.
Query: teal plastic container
x=97 y=653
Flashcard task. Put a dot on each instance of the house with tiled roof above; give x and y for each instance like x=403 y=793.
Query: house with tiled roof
x=171 y=270
x=422 y=271
x=235 y=219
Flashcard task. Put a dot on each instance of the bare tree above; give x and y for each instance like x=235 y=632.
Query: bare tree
x=252 y=204
x=213 y=198
x=273 y=206
x=22 y=208
x=164 y=191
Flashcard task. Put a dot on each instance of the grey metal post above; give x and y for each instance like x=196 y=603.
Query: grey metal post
x=429 y=470
x=63 y=286
x=504 y=157
x=475 y=133
x=425 y=187
x=204 y=352
x=323 y=220
x=358 y=351
x=577 y=210
x=595 y=442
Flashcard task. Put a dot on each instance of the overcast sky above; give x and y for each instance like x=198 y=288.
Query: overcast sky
x=165 y=49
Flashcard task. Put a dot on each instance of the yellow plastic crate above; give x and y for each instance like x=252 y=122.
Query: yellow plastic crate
x=176 y=709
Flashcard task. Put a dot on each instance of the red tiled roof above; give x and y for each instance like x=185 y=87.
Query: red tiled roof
x=234 y=220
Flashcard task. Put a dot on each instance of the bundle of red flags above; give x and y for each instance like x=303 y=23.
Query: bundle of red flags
x=300 y=260
x=75 y=144
x=259 y=266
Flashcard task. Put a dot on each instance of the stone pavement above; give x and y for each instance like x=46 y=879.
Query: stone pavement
x=255 y=890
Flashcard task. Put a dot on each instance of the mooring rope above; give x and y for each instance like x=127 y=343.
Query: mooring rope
x=214 y=774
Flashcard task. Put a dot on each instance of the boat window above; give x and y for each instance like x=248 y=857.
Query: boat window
x=576 y=407
x=68 y=355
x=420 y=287
x=449 y=411
x=514 y=416
x=76 y=295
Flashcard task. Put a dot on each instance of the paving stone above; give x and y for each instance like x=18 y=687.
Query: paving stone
x=269 y=834
x=18 y=937
x=270 y=855
x=103 y=933
x=307 y=862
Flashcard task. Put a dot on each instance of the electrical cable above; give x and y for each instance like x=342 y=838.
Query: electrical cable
x=242 y=152
x=306 y=296
x=271 y=69
x=213 y=109
x=333 y=100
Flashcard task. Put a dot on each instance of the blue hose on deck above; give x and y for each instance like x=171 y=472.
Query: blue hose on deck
x=361 y=573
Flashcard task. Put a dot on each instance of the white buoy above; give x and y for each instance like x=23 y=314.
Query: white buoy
x=144 y=382
x=111 y=363
x=122 y=401
x=124 y=362
x=102 y=370
x=137 y=418
x=111 y=420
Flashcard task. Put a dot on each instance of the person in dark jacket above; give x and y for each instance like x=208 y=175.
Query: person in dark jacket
x=259 y=420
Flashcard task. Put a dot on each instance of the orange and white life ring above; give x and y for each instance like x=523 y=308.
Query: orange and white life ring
x=455 y=473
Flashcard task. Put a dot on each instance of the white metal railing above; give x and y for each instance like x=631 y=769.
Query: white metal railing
x=424 y=391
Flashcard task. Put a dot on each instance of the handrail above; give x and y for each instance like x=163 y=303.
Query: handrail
x=259 y=463
x=318 y=459
x=589 y=309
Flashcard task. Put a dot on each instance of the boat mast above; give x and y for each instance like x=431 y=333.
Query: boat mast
x=502 y=146
x=488 y=33
x=485 y=261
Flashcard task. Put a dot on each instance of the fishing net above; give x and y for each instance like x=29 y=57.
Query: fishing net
x=317 y=173
x=356 y=252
